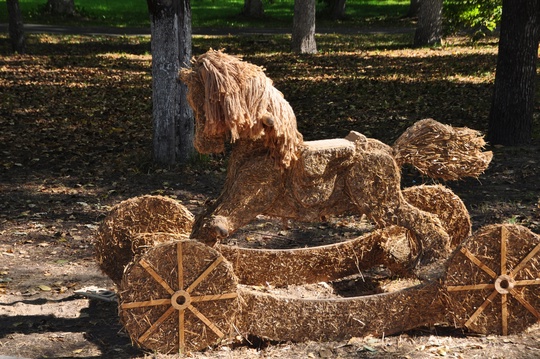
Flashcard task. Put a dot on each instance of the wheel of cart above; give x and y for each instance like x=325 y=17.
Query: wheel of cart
x=179 y=296
x=492 y=281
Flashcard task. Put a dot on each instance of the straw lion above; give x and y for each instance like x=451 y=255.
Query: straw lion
x=272 y=171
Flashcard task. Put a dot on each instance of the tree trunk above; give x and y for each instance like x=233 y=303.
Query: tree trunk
x=414 y=7
x=186 y=123
x=303 y=32
x=253 y=8
x=169 y=50
x=338 y=9
x=429 y=27
x=510 y=117
x=16 y=28
x=61 y=7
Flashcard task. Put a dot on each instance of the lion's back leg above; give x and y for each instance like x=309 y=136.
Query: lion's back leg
x=374 y=186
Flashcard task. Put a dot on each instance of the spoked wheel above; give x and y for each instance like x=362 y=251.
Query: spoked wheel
x=179 y=297
x=493 y=280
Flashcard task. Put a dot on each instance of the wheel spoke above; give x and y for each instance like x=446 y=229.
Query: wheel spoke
x=525 y=303
x=481 y=308
x=504 y=313
x=179 y=260
x=457 y=288
x=146 y=303
x=205 y=274
x=206 y=321
x=156 y=324
x=206 y=298
x=525 y=260
x=156 y=276
x=478 y=262
x=504 y=237
x=181 y=332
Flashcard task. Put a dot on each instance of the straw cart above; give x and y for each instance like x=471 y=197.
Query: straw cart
x=182 y=290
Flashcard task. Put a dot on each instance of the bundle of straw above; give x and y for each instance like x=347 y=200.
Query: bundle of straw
x=441 y=151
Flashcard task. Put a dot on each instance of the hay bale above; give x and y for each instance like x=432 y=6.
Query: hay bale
x=119 y=237
x=442 y=151
x=492 y=283
x=448 y=207
x=179 y=296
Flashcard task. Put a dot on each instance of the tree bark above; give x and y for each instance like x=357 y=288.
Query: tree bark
x=16 y=28
x=186 y=123
x=253 y=8
x=338 y=9
x=171 y=47
x=429 y=27
x=413 y=8
x=511 y=113
x=303 y=32
x=61 y=7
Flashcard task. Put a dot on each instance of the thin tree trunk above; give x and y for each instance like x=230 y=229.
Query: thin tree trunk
x=61 y=7
x=186 y=123
x=303 y=32
x=510 y=117
x=429 y=27
x=338 y=9
x=253 y=8
x=165 y=86
x=16 y=28
x=413 y=8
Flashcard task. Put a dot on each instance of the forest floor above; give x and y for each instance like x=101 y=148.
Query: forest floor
x=75 y=138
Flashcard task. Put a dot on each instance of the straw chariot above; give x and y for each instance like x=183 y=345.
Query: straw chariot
x=181 y=289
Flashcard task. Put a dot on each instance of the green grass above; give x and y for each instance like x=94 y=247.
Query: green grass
x=212 y=13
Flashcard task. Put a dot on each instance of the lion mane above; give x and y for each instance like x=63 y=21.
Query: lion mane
x=236 y=100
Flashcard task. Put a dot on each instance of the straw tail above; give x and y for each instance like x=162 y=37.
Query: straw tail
x=442 y=151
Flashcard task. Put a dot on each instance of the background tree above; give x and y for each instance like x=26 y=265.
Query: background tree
x=303 y=31
x=511 y=113
x=429 y=27
x=60 y=7
x=171 y=49
x=413 y=8
x=336 y=8
x=253 y=8
x=16 y=28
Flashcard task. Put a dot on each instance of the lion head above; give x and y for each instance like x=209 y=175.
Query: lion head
x=233 y=99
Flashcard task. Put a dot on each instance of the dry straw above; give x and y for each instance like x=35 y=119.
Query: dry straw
x=236 y=100
x=492 y=283
x=442 y=151
x=121 y=234
x=180 y=296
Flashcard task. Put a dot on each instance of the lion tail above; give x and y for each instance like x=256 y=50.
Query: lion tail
x=442 y=151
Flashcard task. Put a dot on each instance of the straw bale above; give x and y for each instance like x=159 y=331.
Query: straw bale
x=191 y=259
x=287 y=318
x=503 y=249
x=391 y=247
x=441 y=151
x=448 y=207
x=119 y=237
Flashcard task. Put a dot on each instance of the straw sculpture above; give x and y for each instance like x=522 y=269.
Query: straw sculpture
x=272 y=171
x=120 y=236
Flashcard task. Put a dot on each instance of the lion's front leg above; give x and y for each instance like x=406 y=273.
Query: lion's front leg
x=251 y=187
